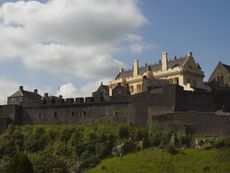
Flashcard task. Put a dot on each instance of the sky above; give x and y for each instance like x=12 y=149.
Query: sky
x=68 y=47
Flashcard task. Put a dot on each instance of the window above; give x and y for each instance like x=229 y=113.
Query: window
x=194 y=83
x=131 y=89
x=139 y=88
x=84 y=113
x=40 y=116
x=176 y=80
x=55 y=114
x=188 y=81
x=220 y=81
x=72 y=114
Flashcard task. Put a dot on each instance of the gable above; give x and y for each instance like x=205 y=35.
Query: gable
x=220 y=70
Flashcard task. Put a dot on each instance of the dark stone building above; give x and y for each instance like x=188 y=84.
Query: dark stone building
x=23 y=96
x=220 y=78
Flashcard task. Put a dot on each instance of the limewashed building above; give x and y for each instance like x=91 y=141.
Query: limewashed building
x=184 y=71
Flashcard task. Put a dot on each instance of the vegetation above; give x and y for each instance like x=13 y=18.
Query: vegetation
x=155 y=160
x=71 y=148
x=65 y=148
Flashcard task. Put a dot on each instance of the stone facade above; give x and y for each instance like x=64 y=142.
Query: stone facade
x=220 y=78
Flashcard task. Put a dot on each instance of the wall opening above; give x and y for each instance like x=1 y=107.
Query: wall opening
x=55 y=114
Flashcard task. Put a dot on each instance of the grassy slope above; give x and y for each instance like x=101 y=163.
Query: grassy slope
x=159 y=161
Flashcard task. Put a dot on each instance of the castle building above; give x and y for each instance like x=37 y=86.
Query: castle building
x=220 y=77
x=23 y=96
x=182 y=71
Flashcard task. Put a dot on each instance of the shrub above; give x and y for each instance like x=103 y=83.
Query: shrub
x=171 y=149
x=123 y=132
x=47 y=163
x=19 y=164
x=129 y=146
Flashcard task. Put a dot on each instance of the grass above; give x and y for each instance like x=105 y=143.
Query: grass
x=156 y=160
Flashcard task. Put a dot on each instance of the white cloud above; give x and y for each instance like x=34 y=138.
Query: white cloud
x=134 y=38
x=68 y=36
x=136 y=48
x=6 y=88
x=69 y=90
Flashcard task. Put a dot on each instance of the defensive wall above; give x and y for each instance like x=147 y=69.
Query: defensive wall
x=198 y=123
x=171 y=102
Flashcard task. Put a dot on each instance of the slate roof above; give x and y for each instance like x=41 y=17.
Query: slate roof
x=153 y=67
x=21 y=93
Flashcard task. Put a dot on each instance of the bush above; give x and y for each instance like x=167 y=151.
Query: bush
x=47 y=163
x=129 y=146
x=123 y=132
x=20 y=164
x=171 y=149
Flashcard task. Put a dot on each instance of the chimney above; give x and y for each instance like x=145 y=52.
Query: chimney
x=122 y=70
x=135 y=68
x=46 y=95
x=21 y=88
x=164 y=61
x=35 y=91
x=189 y=54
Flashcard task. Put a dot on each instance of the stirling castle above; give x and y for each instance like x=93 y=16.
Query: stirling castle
x=170 y=92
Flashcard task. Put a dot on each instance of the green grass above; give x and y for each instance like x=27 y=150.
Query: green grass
x=156 y=160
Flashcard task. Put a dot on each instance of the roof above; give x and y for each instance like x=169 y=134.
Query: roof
x=153 y=67
x=227 y=67
x=21 y=93
x=103 y=87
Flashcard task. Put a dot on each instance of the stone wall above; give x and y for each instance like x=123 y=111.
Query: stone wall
x=78 y=113
x=198 y=123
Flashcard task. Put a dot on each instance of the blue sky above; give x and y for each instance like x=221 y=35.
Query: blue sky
x=46 y=55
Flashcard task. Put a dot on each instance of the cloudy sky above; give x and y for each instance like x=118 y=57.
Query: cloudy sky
x=69 y=46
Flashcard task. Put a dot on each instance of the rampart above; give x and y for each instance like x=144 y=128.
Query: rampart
x=139 y=109
x=198 y=123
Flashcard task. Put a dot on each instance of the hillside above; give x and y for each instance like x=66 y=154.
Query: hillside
x=156 y=160
x=77 y=148
x=58 y=148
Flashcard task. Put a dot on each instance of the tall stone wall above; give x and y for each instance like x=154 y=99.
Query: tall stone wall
x=198 y=123
x=78 y=113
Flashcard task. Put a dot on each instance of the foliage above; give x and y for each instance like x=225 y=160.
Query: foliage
x=161 y=161
x=46 y=163
x=19 y=164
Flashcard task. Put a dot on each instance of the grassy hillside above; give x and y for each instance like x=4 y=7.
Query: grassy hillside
x=156 y=160
x=58 y=148
x=68 y=148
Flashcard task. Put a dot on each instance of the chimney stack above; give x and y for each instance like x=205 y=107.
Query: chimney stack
x=189 y=54
x=46 y=95
x=35 y=91
x=135 y=68
x=21 y=88
x=164 y=61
